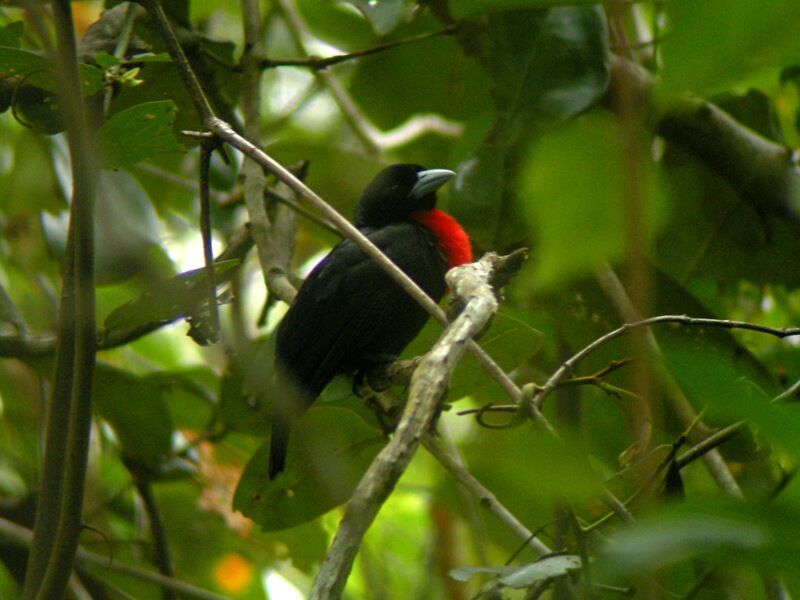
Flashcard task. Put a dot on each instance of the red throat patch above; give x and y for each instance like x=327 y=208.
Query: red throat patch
x=452 y=239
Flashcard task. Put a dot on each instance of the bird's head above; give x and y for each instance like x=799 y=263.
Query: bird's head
x=398 y=191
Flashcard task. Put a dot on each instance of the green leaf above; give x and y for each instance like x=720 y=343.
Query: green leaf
x=139 y=133
x=730 y=533
x=547 y=65
x=525 y=575
x=127 y=242
x=136 y=410
x=11 y=34
x=462 y=9
x=385 y=15
x=105 y=60
x=329 y=451
x=574 y=190
x=167 y=301
x=712 y=233
x=717 y=42
x=37 y=71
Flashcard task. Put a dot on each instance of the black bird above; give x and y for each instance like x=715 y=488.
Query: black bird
x=349 y=315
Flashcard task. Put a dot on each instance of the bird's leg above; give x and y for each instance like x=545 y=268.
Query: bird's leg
x=386 y=405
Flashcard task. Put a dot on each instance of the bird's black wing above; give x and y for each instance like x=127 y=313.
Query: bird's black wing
x=349 y=314
x=349 y=311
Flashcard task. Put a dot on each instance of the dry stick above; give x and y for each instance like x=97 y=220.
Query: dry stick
x=428 y=384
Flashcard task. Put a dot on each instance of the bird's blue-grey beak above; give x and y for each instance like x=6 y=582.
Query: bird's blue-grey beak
x=430 y=180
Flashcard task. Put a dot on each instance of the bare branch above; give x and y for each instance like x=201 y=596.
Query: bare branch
x=764 y=173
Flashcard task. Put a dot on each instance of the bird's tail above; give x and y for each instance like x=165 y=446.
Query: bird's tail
x=278 y=444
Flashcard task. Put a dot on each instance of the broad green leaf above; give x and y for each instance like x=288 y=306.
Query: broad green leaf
x=329 y=451
x=126 y=230
x=574 y=188
x=138 y=133
x=105 y=60
x=190 y=395
x=726 y=532
x=714 y=378
x=38 y=71
x=711 y=233
x=547 y=65
x=136 y=410
x=11 y=34
x=166 y=302
x=514 y=461
x=718 y=42
x=484 y=200
x=246 y=390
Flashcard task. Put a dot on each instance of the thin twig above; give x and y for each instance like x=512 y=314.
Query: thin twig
x=716 y=466
x=160 y=545
x=568 y=365
x=708 y=444
x=206 y=149
x=318 y=63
